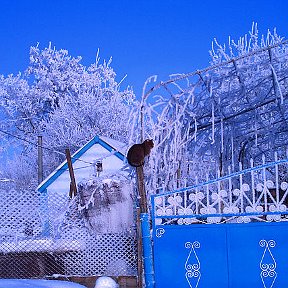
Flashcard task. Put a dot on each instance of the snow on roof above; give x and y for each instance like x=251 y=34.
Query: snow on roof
x=119 y=146
x=112 y=146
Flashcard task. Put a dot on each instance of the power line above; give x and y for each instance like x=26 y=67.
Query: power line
x=44 y=147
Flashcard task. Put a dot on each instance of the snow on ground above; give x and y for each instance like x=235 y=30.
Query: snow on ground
x=105 y=282
x=41 y=245
x=37 y=283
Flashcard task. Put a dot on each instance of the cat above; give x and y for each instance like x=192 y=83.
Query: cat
x=137 y=153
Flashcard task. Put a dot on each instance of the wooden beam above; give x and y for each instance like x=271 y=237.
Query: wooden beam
x=73 y=186
x=143 y=209
x=141 y=189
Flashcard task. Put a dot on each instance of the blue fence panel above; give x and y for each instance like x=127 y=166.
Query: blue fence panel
x=258 y=255
x=190 y=257
x=231 y=255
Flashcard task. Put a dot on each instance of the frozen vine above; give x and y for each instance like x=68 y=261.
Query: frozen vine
x=201 y=122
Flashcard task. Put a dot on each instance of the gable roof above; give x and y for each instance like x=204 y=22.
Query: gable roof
x=107 y=143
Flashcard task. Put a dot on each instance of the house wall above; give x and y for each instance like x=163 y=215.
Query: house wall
x=84 y=170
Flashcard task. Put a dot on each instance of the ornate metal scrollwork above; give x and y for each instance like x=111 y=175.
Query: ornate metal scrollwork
x=192 y=265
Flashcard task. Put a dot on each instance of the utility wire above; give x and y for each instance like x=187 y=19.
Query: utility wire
x=44 y=147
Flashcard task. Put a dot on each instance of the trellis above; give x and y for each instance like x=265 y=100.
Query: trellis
x=32 y=247
x=220 y=158
x=207 y=122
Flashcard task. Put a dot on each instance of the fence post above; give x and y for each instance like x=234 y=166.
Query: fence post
x=140 y=251
x=145 y=230
x=147 y=250
x=40 y=159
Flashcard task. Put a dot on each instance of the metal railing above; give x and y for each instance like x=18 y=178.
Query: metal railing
x=255 y=194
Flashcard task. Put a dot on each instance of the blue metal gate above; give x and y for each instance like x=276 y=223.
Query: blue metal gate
x=230 y=255
x=231 y=232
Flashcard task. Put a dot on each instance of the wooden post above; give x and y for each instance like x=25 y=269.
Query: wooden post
x=142 y=209
x=147 y=260
x=141 y=189
x=73 y=187
x=40 y=160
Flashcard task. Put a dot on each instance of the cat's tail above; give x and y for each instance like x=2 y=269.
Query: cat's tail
x=135 y=165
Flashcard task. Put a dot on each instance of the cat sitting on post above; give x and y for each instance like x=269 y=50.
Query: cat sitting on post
x=137 y=153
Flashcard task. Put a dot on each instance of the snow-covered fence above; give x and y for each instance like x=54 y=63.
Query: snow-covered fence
x=47 y=234
x=255 y=194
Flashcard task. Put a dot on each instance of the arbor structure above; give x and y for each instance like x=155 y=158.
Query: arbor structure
x=215 y=121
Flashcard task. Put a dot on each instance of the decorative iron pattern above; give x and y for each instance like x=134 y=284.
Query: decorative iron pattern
x=192 y=265
x=254 y=194
x=268 y=264
x=160 y=232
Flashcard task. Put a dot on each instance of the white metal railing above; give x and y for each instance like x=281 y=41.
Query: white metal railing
x=256 y=194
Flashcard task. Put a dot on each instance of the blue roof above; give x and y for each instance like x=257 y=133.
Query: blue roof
x=64 y=166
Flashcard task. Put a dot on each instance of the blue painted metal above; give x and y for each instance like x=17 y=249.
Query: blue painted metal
x=220 y=215
x=147 y=250
x=64 y=166
x=221 y=255
x=227 y=254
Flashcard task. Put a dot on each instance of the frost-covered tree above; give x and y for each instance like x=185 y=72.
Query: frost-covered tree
x=85 y=101
x=64 y=101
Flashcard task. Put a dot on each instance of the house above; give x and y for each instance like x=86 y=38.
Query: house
x=106 y=190
x=98 y=225
x=98 y=152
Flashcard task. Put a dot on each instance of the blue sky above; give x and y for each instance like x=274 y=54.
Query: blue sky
x=144 y=37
